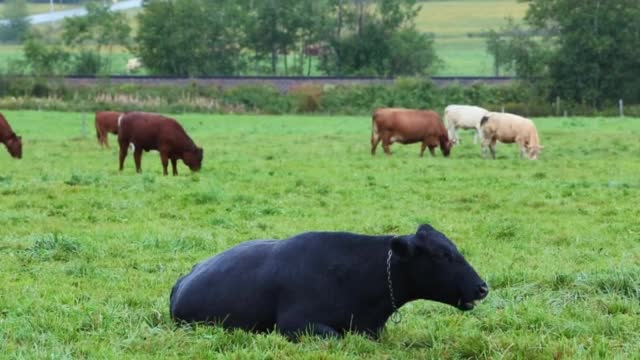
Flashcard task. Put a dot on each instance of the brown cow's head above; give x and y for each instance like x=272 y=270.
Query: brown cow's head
x=445 y=145
x=193 y=158
x=14 y=145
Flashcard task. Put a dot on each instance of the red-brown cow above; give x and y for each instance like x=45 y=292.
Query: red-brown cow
x=148 y=131
x=106 y=122
x=12 y=141
x=408 y=126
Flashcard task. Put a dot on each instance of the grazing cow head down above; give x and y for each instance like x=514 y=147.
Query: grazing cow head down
x=14 y=145
x=534 y=151
x=437 y=271
x=445 y=145
x=193 y=159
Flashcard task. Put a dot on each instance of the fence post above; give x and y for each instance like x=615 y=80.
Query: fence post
x=502 y=108
x=621 y=106
x=84 y=125
x=557 y=104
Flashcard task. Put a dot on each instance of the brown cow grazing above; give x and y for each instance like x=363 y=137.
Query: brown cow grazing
x=408 y=126
x=106 y=122
x=147 y=131
x=12 y=141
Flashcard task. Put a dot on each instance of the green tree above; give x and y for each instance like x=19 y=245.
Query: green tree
x=100 y=29
x=588 y=50
x=378 y=37
x=15 y=24
x=192 y=37
x=44 y=59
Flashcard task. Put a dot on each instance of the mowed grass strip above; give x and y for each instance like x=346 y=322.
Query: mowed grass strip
x=89 y=254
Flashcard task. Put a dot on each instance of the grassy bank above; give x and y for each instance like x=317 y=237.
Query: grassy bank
x=89 y=255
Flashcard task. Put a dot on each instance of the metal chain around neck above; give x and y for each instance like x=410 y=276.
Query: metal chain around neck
x=396 y=316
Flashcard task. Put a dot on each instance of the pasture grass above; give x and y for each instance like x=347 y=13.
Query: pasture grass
x=89 y=254
x=41 y=8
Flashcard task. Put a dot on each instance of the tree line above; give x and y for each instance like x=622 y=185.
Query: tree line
x=585 y=52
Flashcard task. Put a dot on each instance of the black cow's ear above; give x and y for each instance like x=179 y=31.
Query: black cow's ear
x=402 y=247
x=424 y=228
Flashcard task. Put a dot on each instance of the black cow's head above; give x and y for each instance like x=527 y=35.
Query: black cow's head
x=435 y=270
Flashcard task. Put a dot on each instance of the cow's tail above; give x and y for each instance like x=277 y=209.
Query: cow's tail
x=99 y=135
x=484 y=120
x=375 y=134
x=120 y=120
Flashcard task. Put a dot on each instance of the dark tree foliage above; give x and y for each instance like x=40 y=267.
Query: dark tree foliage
x=589 y=51
x=192 y=37
x=377 y=37
x=100 y=29
x=200 y=37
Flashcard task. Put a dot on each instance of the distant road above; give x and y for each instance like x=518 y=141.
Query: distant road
x=56 y=16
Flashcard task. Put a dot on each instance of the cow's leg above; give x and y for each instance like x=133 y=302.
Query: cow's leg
x=106 y=139
x=386 y=142
x=164 y=157
x=485 y=147
x=123 y=153
x=423 y=146
x=137 y=156
x=174 y=162
x=293 y=329
x=432 y=150
x=375 y=140
x=492 y=148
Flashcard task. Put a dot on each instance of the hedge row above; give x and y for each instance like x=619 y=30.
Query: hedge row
x=32 y=93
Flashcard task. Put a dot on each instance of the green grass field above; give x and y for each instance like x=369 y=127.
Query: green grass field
x=42 y=8
x=89 y=254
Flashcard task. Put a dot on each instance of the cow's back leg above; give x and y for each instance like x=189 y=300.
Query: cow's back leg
x=492 y=148
x=137 y=156
x=386 y=142
x=485 y=146
x=124 y=147
x=375 y=140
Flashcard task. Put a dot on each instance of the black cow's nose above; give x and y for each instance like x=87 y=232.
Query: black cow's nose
x=483 y=290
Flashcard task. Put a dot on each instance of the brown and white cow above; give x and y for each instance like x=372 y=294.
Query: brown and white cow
x=106 y=122
x=408 y=126
x=147 y=131
x=12 y=141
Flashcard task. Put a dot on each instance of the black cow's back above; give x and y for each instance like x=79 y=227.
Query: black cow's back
x=336 y=279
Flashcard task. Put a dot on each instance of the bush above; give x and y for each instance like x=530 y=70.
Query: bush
x=54 y=94
x=259 y=98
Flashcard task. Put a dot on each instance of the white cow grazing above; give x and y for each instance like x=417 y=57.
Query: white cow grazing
x=133 y=64
x=463 y=117
x=509 y=128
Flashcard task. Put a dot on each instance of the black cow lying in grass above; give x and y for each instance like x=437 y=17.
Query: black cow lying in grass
x=325 y=283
